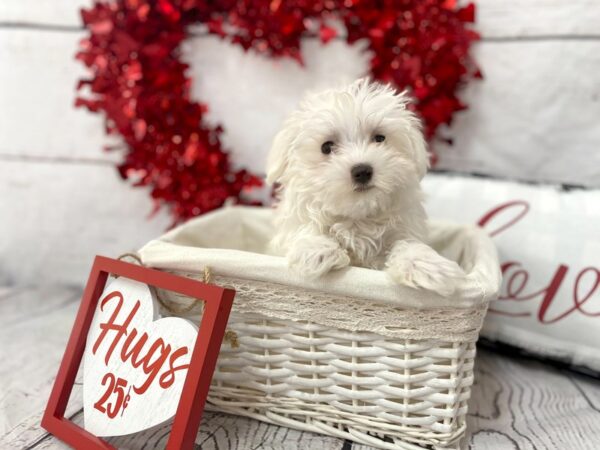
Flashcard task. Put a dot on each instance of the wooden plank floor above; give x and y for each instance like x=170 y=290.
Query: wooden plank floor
x=516 y=403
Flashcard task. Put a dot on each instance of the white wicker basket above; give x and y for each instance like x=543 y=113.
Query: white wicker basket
x=352 y=356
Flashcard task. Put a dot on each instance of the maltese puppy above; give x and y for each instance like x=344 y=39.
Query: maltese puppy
x=349 y=163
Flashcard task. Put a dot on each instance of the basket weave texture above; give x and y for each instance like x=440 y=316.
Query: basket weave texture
x=353 y=356
x=404 y=387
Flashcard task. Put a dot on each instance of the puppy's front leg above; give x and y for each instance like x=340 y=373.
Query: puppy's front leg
x=417 y=265
x=314 y=255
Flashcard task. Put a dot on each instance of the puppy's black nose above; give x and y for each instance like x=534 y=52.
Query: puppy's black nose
x=362 y=173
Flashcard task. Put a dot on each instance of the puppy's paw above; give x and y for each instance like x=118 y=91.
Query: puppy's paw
x=417 y=265
x=317 y=256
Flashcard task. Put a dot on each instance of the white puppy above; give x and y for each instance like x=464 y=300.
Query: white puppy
x=349 y=163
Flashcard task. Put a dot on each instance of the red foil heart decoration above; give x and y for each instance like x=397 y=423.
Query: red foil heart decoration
x=140 y=84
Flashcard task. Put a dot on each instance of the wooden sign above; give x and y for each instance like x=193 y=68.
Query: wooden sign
x=137 y=371
x=134 y=365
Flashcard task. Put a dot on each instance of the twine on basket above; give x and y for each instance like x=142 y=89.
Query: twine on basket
x=133 y=256
x=171 y=306
x=230 y=336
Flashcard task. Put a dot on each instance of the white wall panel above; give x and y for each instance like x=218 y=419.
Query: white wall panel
x=518 y=18
x=55 y=217
x=495 y=18
x=38 y=76
x=47 y=12
x=535 y=116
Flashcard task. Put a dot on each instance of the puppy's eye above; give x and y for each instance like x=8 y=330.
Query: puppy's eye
x=327 y=147
x=379 y=138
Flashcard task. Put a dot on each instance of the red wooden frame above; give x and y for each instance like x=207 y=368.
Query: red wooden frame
x=218 y=302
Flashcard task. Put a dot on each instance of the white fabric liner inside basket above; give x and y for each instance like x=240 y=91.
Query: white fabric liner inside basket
x=232 y=241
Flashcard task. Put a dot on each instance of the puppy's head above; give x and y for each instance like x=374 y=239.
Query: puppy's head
x=351 y=151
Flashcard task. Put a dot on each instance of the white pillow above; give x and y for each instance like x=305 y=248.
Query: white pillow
x=548 y=241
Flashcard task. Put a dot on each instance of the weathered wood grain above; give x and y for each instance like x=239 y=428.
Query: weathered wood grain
x=528 y=405
x=224 y=431
x=516 y=403
x=34 y=326
x=589 y=391
x=217 y=432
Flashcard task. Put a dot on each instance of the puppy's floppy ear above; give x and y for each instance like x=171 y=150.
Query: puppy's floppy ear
x=279 y=156
x=418 y=148
x=413 y=127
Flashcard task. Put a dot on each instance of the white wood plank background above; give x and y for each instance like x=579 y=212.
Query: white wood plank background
x=496 y=18
x=38 y=75
x=516 y=404
x=56 y=215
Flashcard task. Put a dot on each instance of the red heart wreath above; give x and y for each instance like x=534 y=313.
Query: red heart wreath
x=141 y=85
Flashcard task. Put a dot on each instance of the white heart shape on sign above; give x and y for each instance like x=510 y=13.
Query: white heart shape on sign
x=134 y=367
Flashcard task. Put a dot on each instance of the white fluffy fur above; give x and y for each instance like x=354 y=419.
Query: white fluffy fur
x=322 y=221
